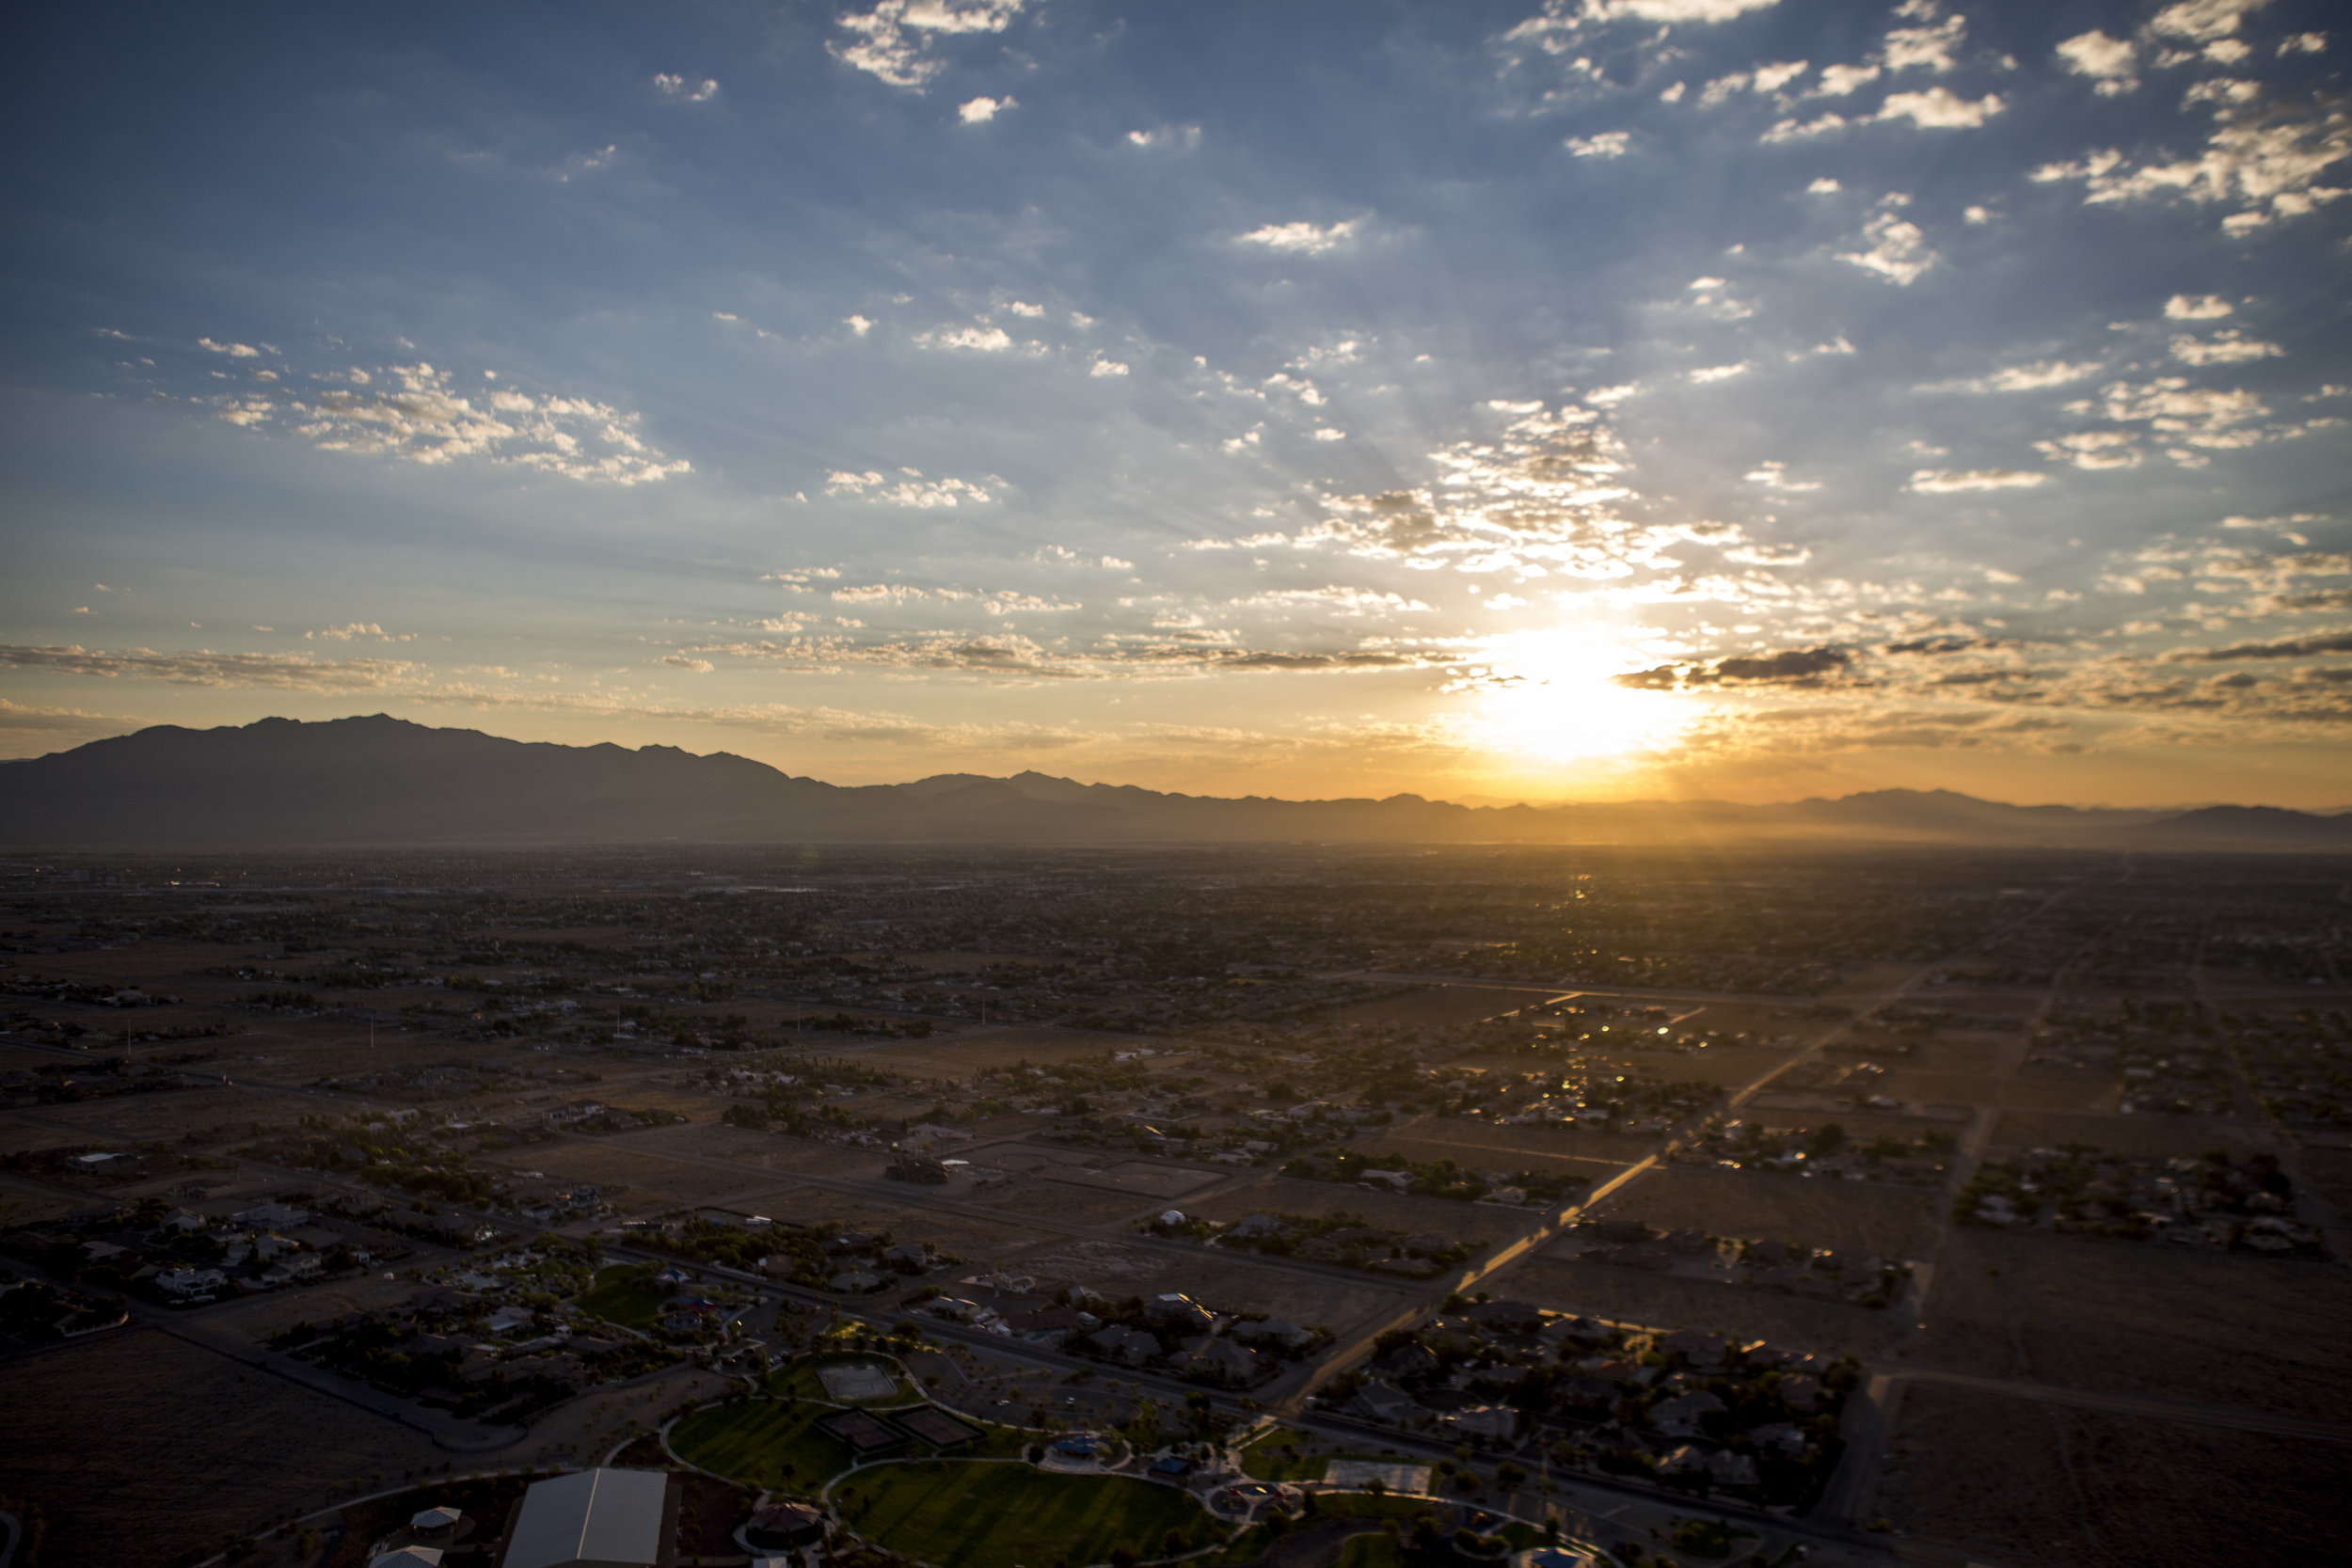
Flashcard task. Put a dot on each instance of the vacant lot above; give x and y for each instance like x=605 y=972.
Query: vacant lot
x=2167 y=1137
x=1896 y=1222
x=137 y=1445
x=959 y=1514
x=1483 y=1143
x=2036 y=1484
x=2142 y=1319
x=1415 y=1216
x=1438 y=1007
x=1305 y=1296
x=961 y=1056
x=1062 y=1200
x=2330 y=1170
x=1631 y=1295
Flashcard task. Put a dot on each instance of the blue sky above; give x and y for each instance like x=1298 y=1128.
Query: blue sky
x=1606 y=397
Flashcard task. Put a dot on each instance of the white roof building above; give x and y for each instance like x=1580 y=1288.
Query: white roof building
x=591 y=1519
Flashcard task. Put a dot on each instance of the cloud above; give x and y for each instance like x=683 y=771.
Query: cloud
x=2195 y=308
x=912 y=489
x=1347 y=601
x=683 y=661
x=1306 y=238
x=1949 y=482
x=2296 y=647
x=2223 y=348
x=1327 y=434
x=1774 y=476
x=978 y=339
x=1801 y=667
x=892 y=40
x=2021 y=378
x=2195 y=416
x=2109 y=62
x=419 y=418
x=859 y=326
x=234 y=351
x=1790 y=130
x=670 y=86
x=980 y=111
x=2092 y=449
x=203 y=667
x=1940 y=109
x=1839 y=81
x=1107 y=367
x=2202 y=21
x=2265 y=158
x=58 y=720
x=1605 y=144
x=1708 y=375
x=1930 y=46
x=1824 y=186
x=1898 y=249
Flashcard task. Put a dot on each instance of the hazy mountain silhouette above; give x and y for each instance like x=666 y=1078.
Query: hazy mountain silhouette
x=380 y=781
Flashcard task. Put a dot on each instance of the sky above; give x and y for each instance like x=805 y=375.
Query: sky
x=1543 y=400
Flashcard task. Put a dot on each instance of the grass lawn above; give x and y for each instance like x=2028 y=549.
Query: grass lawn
x=761 y=1444
x=1280 y=1455
x=964 y=1516
x=627 y=1295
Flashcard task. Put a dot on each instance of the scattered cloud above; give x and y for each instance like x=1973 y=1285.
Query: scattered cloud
x=420 y=416
x=2108 y=62
x=907 y=487
x=893 y=40
x=977 y=340
x=1952 y=482
x=1898 y=249
x=2223 y=348
x=2263 y=157
x=203 y=667
x=1708 y=375
x=672 y=86
x=2195 y=308
x=2031 y=377
x=1305 y=239
x=980 y=111
x=1605 y=144
x=1940 y=109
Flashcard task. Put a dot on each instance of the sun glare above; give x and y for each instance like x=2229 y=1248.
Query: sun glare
x=1556 y=699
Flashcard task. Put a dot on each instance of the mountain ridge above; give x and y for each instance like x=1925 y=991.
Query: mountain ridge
x=375 y=781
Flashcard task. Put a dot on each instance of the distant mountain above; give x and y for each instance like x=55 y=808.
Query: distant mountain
x=382 y=781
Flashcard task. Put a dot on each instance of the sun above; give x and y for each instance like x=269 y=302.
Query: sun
x=1554 y=698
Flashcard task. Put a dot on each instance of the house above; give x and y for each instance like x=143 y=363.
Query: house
x=408 y=1556
x=1278 y=1332
x=1800 y=1392
x=1680 y=1416
x=1394 y=1180
x=1684 y=1461
x=1780 y=1437
x=1256 y=1228
x=1126 y=1346
x=1725 y=1468
x=600 y=1518
x=1051 y=1325
x=1699 y=1351
x=185 y=1283
x=1222 y=1362
x=852 y=1282
x=1179 y=1311
x=434 y=1520
x=1506 y=1317
x=1485 y=1423
x=1385 y=1404
x=1409 y=1359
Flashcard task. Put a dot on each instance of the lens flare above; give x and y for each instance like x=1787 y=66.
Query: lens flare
x=1554 y=697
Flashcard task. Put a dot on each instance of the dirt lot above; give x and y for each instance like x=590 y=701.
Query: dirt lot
x=2038 y=1483
x=1437 y=1006
x=2167 y=1137
x=961 y=1056
x=2139 y=1318
x=1894 y=1222
x=137 y=1445
x=1481 y=1142
x=1062 y=1200
x=1389 y=1211
x=1630 y=1295
x=2330 y=1170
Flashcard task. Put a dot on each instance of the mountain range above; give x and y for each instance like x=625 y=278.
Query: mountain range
x=379 y=781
